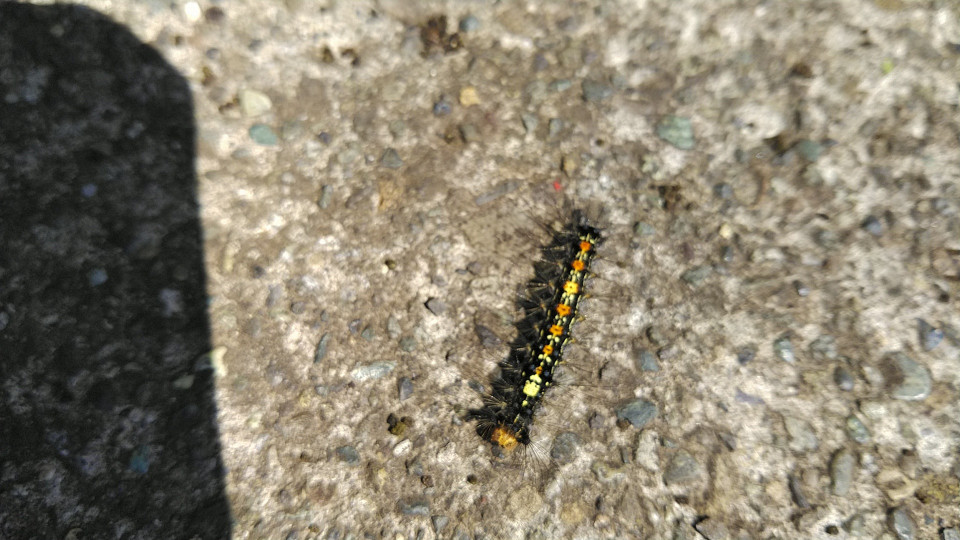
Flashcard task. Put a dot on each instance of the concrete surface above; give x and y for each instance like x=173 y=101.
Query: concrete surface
x=780 y=190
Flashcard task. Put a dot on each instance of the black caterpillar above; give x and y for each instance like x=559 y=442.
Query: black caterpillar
x=550 y=310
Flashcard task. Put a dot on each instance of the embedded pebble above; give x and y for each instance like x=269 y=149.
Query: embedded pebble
x=802 y=290
x=682 y=468
x=442 y=107
x=872 y=225
x=469 y=96
x=723 y=190
x=530 y=122
x=391 y=159
x=439 y=522
x=841 y=472
x=638 y=412
x=565 y=445
x=677 y=131
x=712 y=529
x=414 y=506
x=857 y=430
x=263 y=134
x=469 y=24
x=559 y=85
x=469 y=133
x=809 y=150
x=843 y=379
x=254 y=103
x=906 y=379
x=321 y=351
x=930 y=337
x=745 y=356
x=436 y=306
x=595 y=91
x=796 y=492
x=405 y=388
x=393 y=327
x=375 y=370
x=902 y=524
x=696 y=275
x=348 y=454
x=953 y=533
x=647 y=361
x=554 y=126
x=783 y=348
x=408 y=344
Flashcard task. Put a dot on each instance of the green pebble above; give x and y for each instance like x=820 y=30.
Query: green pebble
x=857 y=431
x=677 y=131
x=262 y=134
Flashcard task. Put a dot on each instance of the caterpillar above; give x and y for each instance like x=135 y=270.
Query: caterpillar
x=550 y=309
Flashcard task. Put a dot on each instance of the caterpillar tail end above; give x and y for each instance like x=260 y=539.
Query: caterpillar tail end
x=504 y=437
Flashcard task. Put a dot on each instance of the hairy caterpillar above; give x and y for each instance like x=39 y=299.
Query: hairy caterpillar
x=550 y=310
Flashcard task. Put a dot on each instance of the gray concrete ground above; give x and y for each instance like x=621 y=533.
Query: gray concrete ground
x=773 y=345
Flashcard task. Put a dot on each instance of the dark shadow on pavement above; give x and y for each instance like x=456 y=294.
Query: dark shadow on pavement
x=107 y=415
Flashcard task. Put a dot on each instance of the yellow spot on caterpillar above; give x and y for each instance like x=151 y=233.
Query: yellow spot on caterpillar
x=571 y=287
x=504 y=437
x=563 y=310
x=531 y=388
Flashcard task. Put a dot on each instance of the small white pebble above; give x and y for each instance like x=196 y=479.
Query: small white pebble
x=402 y=447
x=192 y=11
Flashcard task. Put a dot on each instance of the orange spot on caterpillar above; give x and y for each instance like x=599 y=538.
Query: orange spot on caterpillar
x=556 y=330
x=585 y=246
x=571 y=287
x=504 y=437
x=548 y=349
x=563 y=310
x=578 y=265
x=539 y=370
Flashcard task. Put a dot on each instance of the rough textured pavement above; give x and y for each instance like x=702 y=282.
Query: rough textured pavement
x=772 y=349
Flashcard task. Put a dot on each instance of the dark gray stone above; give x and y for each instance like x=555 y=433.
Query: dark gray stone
x=638 y=412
